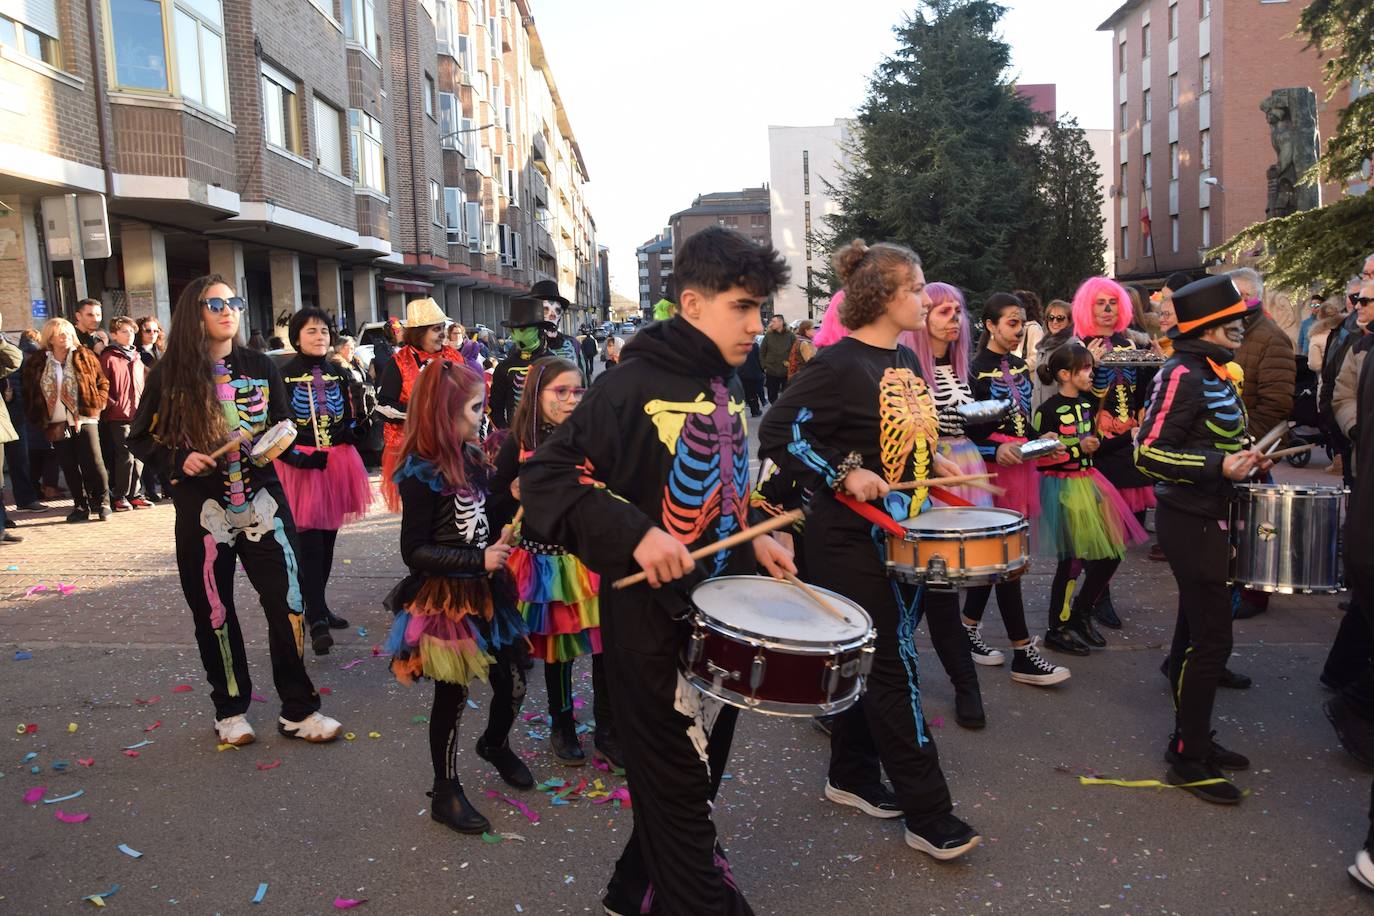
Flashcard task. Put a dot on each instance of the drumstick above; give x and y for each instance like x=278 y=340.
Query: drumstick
x=971 y=479
x=1272 y=436
x=748 y=534
x=510 y=529
x=816 y=597
x=222 y=450
x=1285 y=452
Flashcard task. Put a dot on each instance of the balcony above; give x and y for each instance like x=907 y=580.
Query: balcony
x=539 y=187
x=543 y=241
x=539 y=151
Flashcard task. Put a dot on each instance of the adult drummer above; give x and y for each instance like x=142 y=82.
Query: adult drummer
x=1193 y=441
x=652 y=463
x=856 y=421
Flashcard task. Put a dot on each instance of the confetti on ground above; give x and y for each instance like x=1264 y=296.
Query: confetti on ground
x=65 y=589
x=349 y=736
x=155 y=725
x=131 y=753
x=325 y=691
x=66 y=818
x=353 y=664
x=148 y=702
x=77 y=794
x=99 y=899
x=226 y=747
x=374 y=734
x=86 y=761
x=362 y=631
x=620 y=795
x=578 y=703
x=29 y=756
x=182 y=688
x=30 y=592
x=262 y=892
x=72 y=727
x=472 y=704
x=937 y=722
x=26 y=728
x=417 y=719
x=347 y=903
x=22 y=655
x=129 y=851
x=13 y=568
x=257 y=697
x=60 y=765
x=269 y=766
x=34 y=795
x=516 y=804
x=133 y=747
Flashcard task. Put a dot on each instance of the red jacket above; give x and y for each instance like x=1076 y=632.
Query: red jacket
x=126 y=373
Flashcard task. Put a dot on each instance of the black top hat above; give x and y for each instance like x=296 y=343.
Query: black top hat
x=526 y=312
x=1205 y=304
x=547 y=290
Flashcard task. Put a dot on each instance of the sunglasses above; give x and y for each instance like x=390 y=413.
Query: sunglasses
x=1362 y=301
x=217 y=305
x=566 y=392
x=1056 y=319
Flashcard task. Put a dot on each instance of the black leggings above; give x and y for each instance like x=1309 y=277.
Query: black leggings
x=1009 y=602
x=317 y=560
x=1097 y=575
x=82 y=465
x=558 y=683
x=507 y=696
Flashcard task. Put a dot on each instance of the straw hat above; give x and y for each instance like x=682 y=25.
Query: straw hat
x=421 y=313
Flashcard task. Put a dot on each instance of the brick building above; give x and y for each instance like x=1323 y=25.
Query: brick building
x=1191 y=145
x=655 y=259
x=301 y=147
x=746 y=211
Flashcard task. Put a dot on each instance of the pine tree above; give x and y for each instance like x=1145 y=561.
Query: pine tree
x=1065 y=243
x=1321 y=248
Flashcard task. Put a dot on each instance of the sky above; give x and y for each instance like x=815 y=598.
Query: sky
x=670 y=100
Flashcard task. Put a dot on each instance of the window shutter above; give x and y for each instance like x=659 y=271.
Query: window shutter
x=474 y=222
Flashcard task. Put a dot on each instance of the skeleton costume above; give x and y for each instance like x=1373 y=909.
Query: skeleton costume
x=660 y=442
x=393 y=395
x=236 y=513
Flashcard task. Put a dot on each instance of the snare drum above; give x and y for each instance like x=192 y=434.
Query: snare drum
x=762 y=644
x=1287 y=539
x=272 y=443
x=960 y=547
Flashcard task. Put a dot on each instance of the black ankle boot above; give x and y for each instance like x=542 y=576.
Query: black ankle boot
x=451 y=808
x=1082 y=626
x=1105 y=612
x=563 y=737
x=321 y=640
x=605 y=743
x=511 y=767
x=968 y=706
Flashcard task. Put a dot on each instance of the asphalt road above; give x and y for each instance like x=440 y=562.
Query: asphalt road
x=350 y=820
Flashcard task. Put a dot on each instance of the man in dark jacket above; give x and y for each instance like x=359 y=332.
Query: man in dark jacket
x=1193 y=440
x=773 y=354
x=751 y=377
x=1338 y=346
x=17 y=452
x=625 y=484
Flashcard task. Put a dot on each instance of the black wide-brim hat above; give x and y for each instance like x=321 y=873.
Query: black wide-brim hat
x=1205 y=304
x=526 y=312
x=547 y=290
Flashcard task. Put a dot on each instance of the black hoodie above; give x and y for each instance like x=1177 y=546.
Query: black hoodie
x=659 y=442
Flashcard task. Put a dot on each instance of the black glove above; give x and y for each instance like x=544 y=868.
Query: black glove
x=952 y=423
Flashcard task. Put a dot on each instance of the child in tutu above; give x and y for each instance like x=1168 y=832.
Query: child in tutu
x=1083 y=518
x=455 y=613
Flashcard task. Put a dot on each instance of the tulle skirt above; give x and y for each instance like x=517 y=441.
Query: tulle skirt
x=1084 y=517
x=449 y=627
x=1138 y=498
x=391 y=462
x=1021 y=481
x=557 y=597
x=970 y=461
x=330 y=497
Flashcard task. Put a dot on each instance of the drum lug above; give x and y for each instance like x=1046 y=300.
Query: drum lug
x=830 y=679
x=695 y=646
x=756 y=671
x=866 y=659
x=937 y=570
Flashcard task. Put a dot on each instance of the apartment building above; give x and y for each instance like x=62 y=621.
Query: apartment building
x=1191 y=145
x=746 y=211
x=804 y=163
x=655 y=259
x=346 y=153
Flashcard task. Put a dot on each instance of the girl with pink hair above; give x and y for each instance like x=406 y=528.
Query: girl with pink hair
x=1101 y=314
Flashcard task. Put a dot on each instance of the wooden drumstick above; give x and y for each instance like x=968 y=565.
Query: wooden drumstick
x=1272 y=436
x=1285 y=452
x=509 y=533
x=816 y=597
x=748 y=534
x=960 y=479
x=220 y=452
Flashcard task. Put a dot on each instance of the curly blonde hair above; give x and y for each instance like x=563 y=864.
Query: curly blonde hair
x=872 y=276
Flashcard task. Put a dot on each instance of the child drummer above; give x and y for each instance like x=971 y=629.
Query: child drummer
x=653 y=463
x=1193 y=441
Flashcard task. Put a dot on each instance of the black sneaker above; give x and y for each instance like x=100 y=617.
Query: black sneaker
x=1105 y=612
x=321 y=640
x=945 y=838
x=566 y=746
x=1062 y=639
x=876 y=800
x=1233 y=680
x=982 y=653
x=1217 y=755
x=1028 y=666
x=79 y=515
x=1204 y=779
x=511 y=767
x=968 y=707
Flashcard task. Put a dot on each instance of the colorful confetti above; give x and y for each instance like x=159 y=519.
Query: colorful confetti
x=517 y=805
x=86 y=761
x=262 y=892
x=269 y=766
x=155 y=725
x=133 y=747
x=182 y=688
x=347 y=903
x=23 y=655
x=34 y=795
x=130 y=753
x=99 y=899
x=129 y=851
x=66 y=818
x=72 y=727
x=77 y=794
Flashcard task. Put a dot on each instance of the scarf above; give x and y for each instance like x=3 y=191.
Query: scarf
x=68 y=392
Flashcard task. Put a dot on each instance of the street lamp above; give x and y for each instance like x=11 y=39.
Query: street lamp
x=466 y=130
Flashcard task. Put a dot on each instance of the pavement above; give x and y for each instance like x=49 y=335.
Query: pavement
x=113 y=664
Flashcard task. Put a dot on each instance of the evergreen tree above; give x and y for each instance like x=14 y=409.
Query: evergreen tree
x=1321 y=248
x=1066 y=244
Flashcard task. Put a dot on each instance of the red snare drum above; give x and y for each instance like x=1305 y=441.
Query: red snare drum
x=761 y=644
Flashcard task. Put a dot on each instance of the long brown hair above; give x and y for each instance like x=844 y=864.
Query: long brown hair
x=189 y=415
x=435 y=429
x=527 y=420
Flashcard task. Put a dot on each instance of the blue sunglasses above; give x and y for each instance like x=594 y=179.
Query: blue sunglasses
x=217 y=305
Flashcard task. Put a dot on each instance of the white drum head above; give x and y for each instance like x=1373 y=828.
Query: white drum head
x=955 y=519
x=778 y=610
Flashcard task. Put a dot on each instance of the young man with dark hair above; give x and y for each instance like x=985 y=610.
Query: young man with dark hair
x=88 y=315
x=626 y=483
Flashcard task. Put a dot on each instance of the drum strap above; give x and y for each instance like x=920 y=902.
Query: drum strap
x=872 y=514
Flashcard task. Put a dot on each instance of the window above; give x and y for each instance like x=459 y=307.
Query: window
x=446 y=21
x=1121 y=57
x=32 y=37
x=1173 y=233
x=806 y=171
x=473 y=223
x=1173 y=20
x=198 y=32
x=429 y=95
x=1173 y=91
x=436 y=203
x=806 y=229
x=1205 y=154
x=1206 y=72
x=1145 y=40
x=1121 y=188
x=1123 y=116
x=328 y=146
x=1204 y=9
x=1145 y=171
x=1145 y=105
x=1147 y=244
x=455 y=207
x=365 y=136
x=1206 y=227
x=448 y=120
x=140 y=48
x=360 y=25
x=280 y=116
x=1125 y=241
x=1173 y=161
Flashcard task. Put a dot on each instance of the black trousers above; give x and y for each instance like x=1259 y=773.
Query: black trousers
x=887 y=726
x=676 y=742
x=940 y=608
x=507 y=678
x=206 y=559
x=775 y=385
x=316 y=563
x=82 y=465
x=1010 y=603
x=558 y=684
x=1199 y=552
x=17 y=461
x=753 y=395
x=127 y=470
x=1097 y=576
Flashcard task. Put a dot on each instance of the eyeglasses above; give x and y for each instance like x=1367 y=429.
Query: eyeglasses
x=567 y=392
x=217 y=305
x=1056 y=319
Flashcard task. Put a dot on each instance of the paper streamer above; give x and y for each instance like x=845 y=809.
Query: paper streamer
x=262 y=892
x=182 y=688
x=1146 y=783
x=516 y=804
x=129 y=851
x=77 y=794
x=133 y=747
x=346 y=666
x=347 y=903
x=99 y=899
x=66 y=818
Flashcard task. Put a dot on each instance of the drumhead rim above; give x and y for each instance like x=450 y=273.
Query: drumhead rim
x=771 y=641
x=1018 y=522
x=1278 y=489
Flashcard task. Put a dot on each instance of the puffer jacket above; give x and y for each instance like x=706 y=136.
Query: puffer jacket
x=1266 y=357
x=92 y=388
x=1345 y=399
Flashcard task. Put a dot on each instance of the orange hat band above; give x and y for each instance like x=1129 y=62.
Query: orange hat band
x=1240 y=308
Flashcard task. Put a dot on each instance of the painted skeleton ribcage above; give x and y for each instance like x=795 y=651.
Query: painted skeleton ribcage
x=708 y=483
x=948 y=390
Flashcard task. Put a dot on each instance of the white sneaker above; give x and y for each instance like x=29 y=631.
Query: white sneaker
x=1363 y=869
x=982 y=653
x=235 y=730
x=315 y=728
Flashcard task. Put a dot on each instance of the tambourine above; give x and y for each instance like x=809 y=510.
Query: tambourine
x=978 y=413
x=272 y=443
x=1132 y=358
x=1038 y=448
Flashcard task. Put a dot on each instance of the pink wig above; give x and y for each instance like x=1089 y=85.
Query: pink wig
x=832 y=330
x=1084 y=324
x=919 y=341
